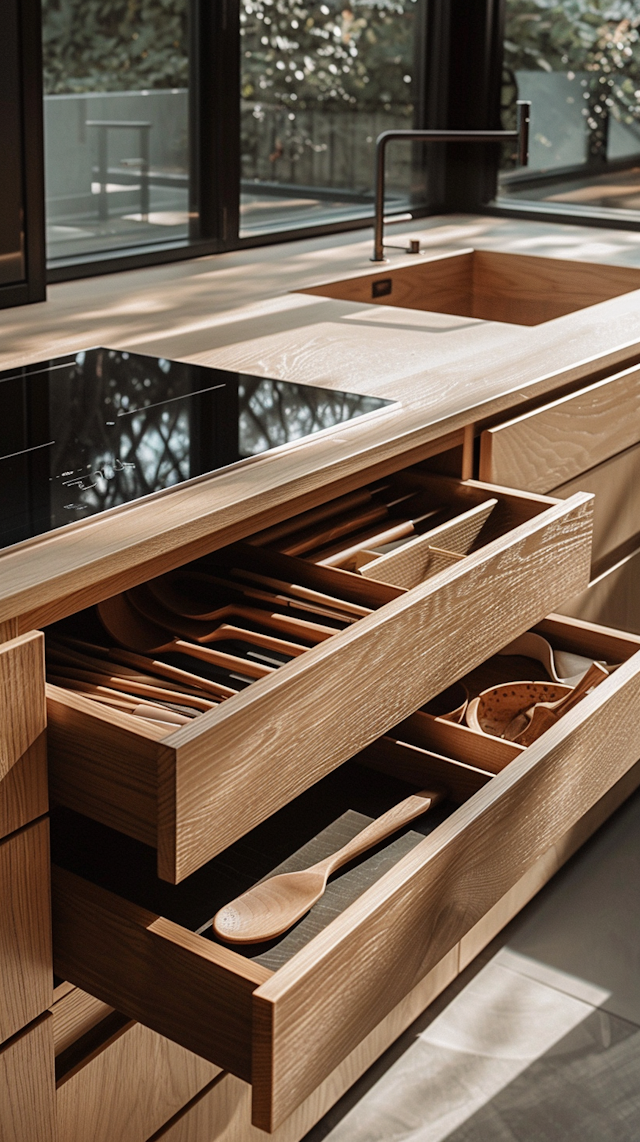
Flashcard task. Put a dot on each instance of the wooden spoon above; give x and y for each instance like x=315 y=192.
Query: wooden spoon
x=131 y=629
x=126 y=661
x=272 y=906
x=538 y=718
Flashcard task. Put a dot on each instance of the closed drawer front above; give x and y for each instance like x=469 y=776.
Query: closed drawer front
x=544 y=448
x=27 y=1093
x=613 y=598
x=259 y=749
x=616 y=517
x=23 y=773
x=284 y=1021
x=25 y=928
x=119 y=1080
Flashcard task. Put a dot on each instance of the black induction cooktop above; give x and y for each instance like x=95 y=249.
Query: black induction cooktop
x=87 y=432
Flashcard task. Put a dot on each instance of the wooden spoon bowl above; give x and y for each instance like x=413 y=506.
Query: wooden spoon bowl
x=494 y=709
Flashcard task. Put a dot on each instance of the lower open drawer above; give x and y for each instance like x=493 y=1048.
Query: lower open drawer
x=192 y=791
x=282 y=1016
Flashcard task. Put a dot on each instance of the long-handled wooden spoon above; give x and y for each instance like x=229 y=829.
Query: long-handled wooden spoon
x=525 y=728
x=126 y=659
x=347 y=502
x=131 y=629
x=272 y=906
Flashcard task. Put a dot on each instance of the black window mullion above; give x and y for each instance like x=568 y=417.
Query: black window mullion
x=215 y=111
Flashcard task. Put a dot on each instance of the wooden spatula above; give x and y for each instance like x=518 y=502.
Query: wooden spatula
x=272 y=906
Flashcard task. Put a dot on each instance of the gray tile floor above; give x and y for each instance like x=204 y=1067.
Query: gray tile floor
x=539 y=1039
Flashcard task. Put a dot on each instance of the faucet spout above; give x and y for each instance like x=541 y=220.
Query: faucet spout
x=520 y=135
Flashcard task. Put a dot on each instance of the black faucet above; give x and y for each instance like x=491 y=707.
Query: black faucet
x=521 y=134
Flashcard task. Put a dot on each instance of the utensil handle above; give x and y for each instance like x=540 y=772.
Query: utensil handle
x=595 y=674
x=218 y=658
x=405 y=811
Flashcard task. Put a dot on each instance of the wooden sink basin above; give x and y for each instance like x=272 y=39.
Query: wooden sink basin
x=517 y=288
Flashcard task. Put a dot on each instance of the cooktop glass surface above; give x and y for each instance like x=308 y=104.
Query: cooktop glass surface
x=88 y=432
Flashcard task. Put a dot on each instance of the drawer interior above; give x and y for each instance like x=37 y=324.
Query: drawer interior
x=258 y=605
x=283 y=1014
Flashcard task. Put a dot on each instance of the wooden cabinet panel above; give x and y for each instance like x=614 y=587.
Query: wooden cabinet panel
x=613 y=598
x=26 y=973
x=550 y=445
x=616 y=487
x=27 y=1091
x=128 y=1087
x=23 y=777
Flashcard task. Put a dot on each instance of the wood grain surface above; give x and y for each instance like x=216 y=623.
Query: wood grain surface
x=244 y=756
x=22 y=705
x=612 y=599
x=26 y=979
x=27 y=1091
x=616 y=486
x=553 y=444
x=342 y=984
x=24 y=794
x=128 y=1087
x=75 y=1013
x=223 y=1112
x=174 y=981
x=414 y=561
x=439 y=285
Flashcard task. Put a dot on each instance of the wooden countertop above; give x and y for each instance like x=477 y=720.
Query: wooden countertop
x=238 y=311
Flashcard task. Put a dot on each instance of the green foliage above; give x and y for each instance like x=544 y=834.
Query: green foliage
x=599 y=37
x=114 y=45
x=339 y=53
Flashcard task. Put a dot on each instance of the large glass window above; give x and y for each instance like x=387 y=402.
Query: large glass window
x=116 y=116
x=319 y=82
x=579 y=63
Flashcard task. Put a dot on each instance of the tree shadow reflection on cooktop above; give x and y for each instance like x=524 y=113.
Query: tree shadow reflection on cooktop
x=100 y=428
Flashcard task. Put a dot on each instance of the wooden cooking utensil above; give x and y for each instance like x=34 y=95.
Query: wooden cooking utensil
x=348 y=502
x=528 y=726
x=133 y=630
x=137 y=662
x=339 y=527
x=133 y=688
x=107 y=696
x=291 y=592
x=203 y=632
x=272 y=906
x=495 y=708
x=165 y=592
x=336 y=555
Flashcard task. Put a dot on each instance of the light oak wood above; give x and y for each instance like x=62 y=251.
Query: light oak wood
x=22 y=705
x=416 y=560
x=421 y=766
x=74 y=1013
x=551 y=445
x=616 y=486
x=459 y=742
x=23 y=792
x=8 y=629
x=127 y=1087
x=27 y=1092
x=243 y=755
x=492 y=286
x=222 y=1113
x=314 y=1010
x=204 y=1000
x=26 y=981
x=613 y=598
x=402 y=926
x=439 y=285
x=545 y=867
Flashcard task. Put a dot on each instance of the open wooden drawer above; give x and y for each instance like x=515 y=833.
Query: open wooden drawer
x=193 y=791
x=284 y=1020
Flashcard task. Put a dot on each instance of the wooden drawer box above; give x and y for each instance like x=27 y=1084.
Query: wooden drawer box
x=25 y=927
x=133 y=941
x=118 y=1080
x=550 y=445
x=194 y=791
